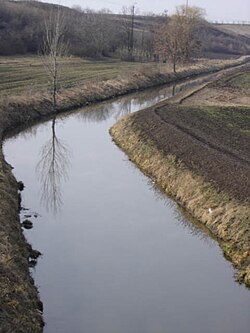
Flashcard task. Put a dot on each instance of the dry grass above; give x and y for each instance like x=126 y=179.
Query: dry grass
x=230 y=90
x=19 y=300
x=164 y=142
x=24 y=108
x=26 y=75
x=229 y=219
x=240 y=81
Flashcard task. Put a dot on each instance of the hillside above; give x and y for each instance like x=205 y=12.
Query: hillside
x=221 y=41
x=239 y=29
x=103 y=34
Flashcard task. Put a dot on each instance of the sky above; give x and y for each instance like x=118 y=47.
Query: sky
x=217 y=10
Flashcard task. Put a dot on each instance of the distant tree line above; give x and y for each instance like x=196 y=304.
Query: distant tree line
x=89 y=33
x=20 y=28
x=98 y=34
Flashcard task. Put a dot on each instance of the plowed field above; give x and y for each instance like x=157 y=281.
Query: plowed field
x=214 y=142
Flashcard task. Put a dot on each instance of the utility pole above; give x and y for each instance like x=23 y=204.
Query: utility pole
x=132 y=31
x=186 y=6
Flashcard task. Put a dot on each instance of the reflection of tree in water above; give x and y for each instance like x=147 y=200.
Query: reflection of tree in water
x=173 y=90
x=23 y=132
x=52 y=169
x=104 y=111
x=124 y=107
x=151 y=96
x=140 y=100
x=96 y=113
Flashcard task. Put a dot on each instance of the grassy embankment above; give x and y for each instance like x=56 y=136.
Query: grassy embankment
x=22 y=105
x=24 y=97
x=20 y=308
x=200 y=155
x=27 y=75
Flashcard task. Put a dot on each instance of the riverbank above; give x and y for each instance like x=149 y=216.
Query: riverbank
x=199 y=155
x=20 y=309
x=26 y=76
x=20 y=304
x=23 y=109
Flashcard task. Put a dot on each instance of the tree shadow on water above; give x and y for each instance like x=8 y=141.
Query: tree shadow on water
x=52 y=170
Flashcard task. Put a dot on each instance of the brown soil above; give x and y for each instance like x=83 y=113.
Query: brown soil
x=200 y=155
x=209 y=145
x=205 y=144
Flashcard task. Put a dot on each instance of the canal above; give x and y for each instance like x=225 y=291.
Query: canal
x=118 y=255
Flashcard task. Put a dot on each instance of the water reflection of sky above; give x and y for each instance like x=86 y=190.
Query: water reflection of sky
x=52 y=169
x=118 y=256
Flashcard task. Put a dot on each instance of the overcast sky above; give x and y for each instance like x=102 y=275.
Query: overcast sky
x=226 y=10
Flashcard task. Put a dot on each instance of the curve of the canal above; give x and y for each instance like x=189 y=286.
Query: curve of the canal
x=118 y=256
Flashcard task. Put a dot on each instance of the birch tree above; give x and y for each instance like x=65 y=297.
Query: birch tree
x=53 y=48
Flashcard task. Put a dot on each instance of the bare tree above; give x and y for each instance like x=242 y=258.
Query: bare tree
x=167 y=43
x=175 y=40
x=187 y=18
x=53 y=48
x=94 y=34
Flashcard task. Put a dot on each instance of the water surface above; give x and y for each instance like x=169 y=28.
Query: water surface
x=118 y=256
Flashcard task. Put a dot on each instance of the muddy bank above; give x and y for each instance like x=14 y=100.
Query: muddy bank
x=197 y=166
x=20 y=307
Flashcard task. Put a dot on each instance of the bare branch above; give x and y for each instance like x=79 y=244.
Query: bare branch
x=53 y=48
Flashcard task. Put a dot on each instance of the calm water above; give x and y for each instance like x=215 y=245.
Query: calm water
x=118 y=256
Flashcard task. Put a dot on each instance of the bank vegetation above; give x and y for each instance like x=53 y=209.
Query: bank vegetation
x=198 y=153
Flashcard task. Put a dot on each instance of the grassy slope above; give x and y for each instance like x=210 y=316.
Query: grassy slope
x=239 y=29
x=18 y=109
x=22 y=74
x=19 y=303
x=241 y=81
x=181 y=148
x=19 y=75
